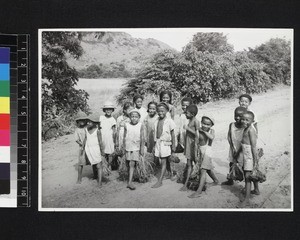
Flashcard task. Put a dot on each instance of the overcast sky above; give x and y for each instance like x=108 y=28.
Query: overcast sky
x=240 y=38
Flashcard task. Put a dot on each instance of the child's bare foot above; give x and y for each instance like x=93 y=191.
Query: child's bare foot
x=255 y=192
x=195 y=195
x=157 y=185
x=183 y=188
x=173 y=178
x=99 y=185
x=131 y=186
x=78 y=181
x=245 y=203
x=229 y=182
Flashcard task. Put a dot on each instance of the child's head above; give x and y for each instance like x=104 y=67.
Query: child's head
x=166 y=97
x=138 y=100
x=152 y=106
x=162 y=109
x=245 y=100
x=127 y=107
x=248 y=118
x=185 y=102
x=92 y=121
x=207 y=122
x=191 y=111
x=108 y=108
x=81 y=119
x=134 y=116
x=238 y=114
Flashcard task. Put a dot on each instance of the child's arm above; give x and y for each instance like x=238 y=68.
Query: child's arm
x=124 y=137
x=142 y=137
x=173 y=147
x=114 y=134
x=172 y=112
x=99 y=135
x=253 y=140
x=232 y=148
x=197 y=139
x=210 y=135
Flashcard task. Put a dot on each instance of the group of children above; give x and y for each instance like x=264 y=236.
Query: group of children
x=153 y=129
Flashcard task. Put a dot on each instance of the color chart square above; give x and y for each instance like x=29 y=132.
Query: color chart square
x=4 y=121
x=4 y=154
x=4 y=71
x=4 y=171
x=4 y=137
x=4 y=105
x=4 y=55
x=4 y=89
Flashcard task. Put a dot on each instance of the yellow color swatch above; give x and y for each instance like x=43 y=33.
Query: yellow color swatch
x=4 y=104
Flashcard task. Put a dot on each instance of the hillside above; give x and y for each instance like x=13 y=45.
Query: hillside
x=116 y=47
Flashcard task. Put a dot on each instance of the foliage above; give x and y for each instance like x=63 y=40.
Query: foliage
x=276 y=57
x=60 y=99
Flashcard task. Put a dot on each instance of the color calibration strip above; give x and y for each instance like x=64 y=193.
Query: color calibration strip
x=4 y=120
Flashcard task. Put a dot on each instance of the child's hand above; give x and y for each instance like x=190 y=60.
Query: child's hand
x=184 y=127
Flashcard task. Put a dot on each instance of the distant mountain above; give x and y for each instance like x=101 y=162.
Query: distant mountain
x=116 y=47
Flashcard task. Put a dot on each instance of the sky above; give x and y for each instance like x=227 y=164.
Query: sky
x=241 y=39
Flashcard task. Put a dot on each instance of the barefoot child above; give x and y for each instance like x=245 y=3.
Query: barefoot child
x=133 y=143
x=94 y=146
x=121 y=120
x=245 y=101
x=80 y=135
x=148 y=123
x=108 y=131
x=234 y=137
x=138 y=104
x=185 y=102
x=166 y=97
x=206 y=136
x=164 y=138
x=249 y=154
x=191 y=138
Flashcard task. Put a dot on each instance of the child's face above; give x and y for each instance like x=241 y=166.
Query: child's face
x=189 y=115
x=108 y=111
x=166 y=98
x=127 y=111
x=134 y=118
x=206 y=124
x=152 y=109
x=81 y=123
x=244 y=102
x=161 y=111
x=238 y=116
x=247 y=120
x=184 y=105
x=90 y=124
x=139 y=103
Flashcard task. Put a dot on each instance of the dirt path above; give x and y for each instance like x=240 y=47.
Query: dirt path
x=59 y=167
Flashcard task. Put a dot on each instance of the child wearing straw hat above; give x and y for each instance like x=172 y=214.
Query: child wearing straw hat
x=80 y=135
x=108 y=130
x=133 y=143
x=94 y=146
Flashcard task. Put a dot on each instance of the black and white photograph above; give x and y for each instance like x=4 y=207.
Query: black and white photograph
x=166 y=119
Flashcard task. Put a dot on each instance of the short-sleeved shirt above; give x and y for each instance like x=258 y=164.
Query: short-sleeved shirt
x=167 y=127
x=107 y=133
x=80 y=134
x=133 y=136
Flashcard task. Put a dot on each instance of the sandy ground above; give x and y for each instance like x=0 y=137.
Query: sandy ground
x=273 y=109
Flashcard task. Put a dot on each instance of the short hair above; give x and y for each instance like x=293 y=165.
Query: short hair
x=152 y=102
x=162 y=104
x=250 y=113
x=192 y=109
x=163 y=93
x=187 y=99
x=246 y=96
x=137 y=96
x=240 y=109
x=127 y=105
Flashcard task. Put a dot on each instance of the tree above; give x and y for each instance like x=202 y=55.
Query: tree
x=59 y=79
x=276 y=57
x=212 y=42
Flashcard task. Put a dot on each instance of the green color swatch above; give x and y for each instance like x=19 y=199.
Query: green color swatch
x=4 y=89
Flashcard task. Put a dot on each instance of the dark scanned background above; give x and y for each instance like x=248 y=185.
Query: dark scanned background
x=18 y=16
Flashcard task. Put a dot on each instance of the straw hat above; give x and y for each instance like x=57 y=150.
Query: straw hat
x=210 y=118
x=108 y=104
x=93 y=117
x=81 y=116
x=134 y=110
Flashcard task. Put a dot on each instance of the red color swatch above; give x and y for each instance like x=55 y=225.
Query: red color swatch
x=4 y=121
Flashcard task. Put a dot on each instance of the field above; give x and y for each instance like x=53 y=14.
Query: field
x=273 y=110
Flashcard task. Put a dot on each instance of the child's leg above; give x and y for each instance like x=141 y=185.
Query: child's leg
x=80 y=167
x=163 y=171
x=212 y=175
x=131 y=170
x=95 y=171
x=100 y=170
x=256 y=189
x=247 y=189
x=201 y=184
x=189 y=171
x=229 y=181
